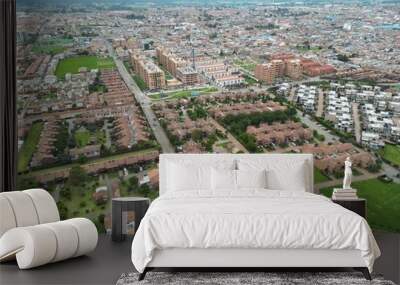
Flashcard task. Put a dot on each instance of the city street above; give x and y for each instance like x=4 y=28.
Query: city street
x=231 y=138
x=320 y=129
x=356 y=119
x=320 y=106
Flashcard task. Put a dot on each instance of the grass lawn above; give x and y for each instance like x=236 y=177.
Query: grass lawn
x=183 y=93
x=48 y=49
x=127 y=65
x=383 y=203
x=249 y=80
x=319 y=177
x=51 y=46
x=101 y=137
x=82 y=204
x=82 y=137
x=305 y=49
x=391 y=153
x=245 y=64
x=72 y=64
x=29 y=146
x=140 y=82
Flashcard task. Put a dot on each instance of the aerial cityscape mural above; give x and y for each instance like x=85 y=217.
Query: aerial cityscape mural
x=105 y=87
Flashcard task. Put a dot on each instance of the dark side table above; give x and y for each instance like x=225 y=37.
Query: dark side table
x=127 y=212
x=358 y=206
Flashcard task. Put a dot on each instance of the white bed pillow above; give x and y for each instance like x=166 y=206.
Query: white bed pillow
x=223 y=179
x=182 y=177
x=251 y=179
x=279 y=180
x=282 y=174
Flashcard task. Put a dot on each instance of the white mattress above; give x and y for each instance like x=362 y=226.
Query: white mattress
x=253 y=219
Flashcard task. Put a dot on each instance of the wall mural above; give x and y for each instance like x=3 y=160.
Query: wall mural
x=104 y=89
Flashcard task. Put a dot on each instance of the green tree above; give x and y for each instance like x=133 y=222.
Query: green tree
x=77 y=176
x=133 y=182
x=63 y=210
x=343 y=57
x=197 y=135
x=144 y=190
x=65 y=193
x=82 y=159
x=26 y=181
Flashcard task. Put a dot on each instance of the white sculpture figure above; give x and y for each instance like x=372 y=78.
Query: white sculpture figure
x=347 y=174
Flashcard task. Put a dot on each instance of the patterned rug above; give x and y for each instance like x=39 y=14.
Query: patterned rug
x=243 y=278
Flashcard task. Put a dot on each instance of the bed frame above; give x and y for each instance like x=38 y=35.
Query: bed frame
x=249 y=259
x=246 y=259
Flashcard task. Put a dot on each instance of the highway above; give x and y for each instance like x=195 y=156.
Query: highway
x=144 y=102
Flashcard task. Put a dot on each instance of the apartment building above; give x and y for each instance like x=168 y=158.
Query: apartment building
x=187 y=75
x=177 y=66
x=338 y=110
x=313 y=68
x=265 y=72
x=294 y=69
x=277 y=68
x=306 y=97
x=151 y=74
x=219 y=72
x=371 y=140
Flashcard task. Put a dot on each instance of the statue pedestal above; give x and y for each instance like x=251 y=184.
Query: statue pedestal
x=344 y=194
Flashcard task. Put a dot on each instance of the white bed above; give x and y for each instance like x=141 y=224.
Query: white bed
x=217 y=224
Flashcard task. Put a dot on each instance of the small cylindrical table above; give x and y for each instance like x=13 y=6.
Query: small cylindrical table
x=127 y=212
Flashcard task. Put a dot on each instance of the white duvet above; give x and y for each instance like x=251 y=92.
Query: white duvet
x=250 y=219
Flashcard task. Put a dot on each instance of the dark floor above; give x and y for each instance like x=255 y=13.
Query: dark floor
x=110 y=260
x=103 y=266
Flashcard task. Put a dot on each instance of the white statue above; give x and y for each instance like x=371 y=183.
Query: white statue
x=347 y=174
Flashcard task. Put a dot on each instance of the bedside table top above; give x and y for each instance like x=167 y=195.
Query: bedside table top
x=350 y=200
x=130 y=199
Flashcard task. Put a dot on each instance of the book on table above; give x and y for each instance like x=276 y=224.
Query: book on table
x=344 y=194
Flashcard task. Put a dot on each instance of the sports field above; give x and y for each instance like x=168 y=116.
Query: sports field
x=72 y=64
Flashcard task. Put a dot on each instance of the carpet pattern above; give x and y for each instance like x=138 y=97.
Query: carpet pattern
x=244 y=278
